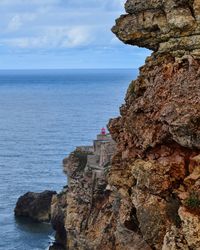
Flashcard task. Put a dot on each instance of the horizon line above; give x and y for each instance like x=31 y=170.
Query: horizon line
x=19 y=69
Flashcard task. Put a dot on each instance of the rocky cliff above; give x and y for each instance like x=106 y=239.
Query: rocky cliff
x=150 y=196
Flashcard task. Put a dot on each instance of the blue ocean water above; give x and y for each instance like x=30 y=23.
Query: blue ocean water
x=43 y=116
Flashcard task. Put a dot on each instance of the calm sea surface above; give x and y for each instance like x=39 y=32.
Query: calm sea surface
x=43 y=116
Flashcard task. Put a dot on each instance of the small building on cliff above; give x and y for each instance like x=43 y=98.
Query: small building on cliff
x=103 y=149
x=95 y=158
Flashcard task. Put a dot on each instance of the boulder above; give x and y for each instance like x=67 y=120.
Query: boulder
x=36 y=206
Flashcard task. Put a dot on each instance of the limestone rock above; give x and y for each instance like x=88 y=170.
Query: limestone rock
x=158 y=132
x=58 y=215
x=142 y=199
x=163 y=26
x=152 y=217
x=174 y=240
x=176 y=113
x=36 y=206
x=191 y=228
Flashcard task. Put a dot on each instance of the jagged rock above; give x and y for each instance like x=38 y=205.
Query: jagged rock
x=58 y=214
x=190 y=228
x=56 y=246
x=158 y=132
x=174 y=240
x=152 y=217
x=149 y=197
x=163 y=26
x=75 y=163
x=73 y=212
x=36 y=206
x=176 y=113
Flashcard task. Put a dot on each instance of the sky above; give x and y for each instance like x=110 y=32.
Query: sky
x=45 y=34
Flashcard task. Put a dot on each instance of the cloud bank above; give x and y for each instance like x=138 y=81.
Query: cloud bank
x=41 y=27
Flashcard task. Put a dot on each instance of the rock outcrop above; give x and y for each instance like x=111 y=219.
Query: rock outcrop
x=58 y=211
x=74 y=211
x=36 y=206
x=170 y=26
x=149 y=198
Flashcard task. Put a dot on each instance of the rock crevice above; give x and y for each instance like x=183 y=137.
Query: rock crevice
x=149 y=196
x=162 y=25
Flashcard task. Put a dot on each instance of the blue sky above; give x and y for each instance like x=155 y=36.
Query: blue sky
x=63 y=34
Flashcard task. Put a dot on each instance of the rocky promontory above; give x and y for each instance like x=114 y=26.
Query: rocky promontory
x=148 y=196
x=164 y=26
x=75 y=210
x=138 y=188
x=35 y=206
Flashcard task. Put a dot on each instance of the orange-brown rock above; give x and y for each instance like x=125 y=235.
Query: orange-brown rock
x=158 y=132
x=149 y=198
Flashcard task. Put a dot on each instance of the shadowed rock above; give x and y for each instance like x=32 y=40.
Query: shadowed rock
x=36 y=206
x=148 y=197
x=156 y=166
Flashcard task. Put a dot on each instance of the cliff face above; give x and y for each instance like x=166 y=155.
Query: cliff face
x=158 y=142
x=170 y=26
x=150 y=197
x=158 y=133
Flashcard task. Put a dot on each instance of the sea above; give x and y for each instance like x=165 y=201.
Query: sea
x=44 y=115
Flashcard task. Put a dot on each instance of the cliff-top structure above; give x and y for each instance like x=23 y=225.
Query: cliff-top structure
x=72 y=210
x=149 y=198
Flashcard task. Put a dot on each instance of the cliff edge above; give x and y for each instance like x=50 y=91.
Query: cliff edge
x=149 y=197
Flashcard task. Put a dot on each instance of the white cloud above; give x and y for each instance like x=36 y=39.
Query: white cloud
x=53 y=37
x=77 y=36
x=79 y=4
x=15 y=23
x=47 y=24
x=26 y=42
x=62 y=33
x=18 y=20
x=27 y=2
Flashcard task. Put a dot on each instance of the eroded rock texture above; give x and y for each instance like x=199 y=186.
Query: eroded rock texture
x=158 y=138
x=158 y=133
x=151 y=194
x=36 y=206
x=161 y=25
